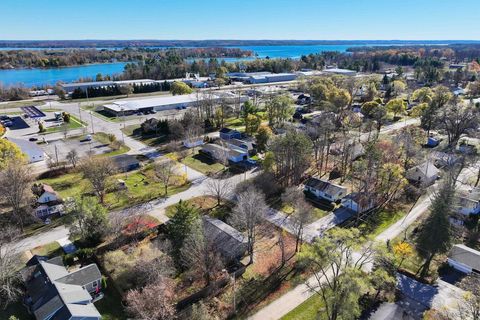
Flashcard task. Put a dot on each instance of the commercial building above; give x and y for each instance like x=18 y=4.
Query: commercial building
x=344 y=72
x=271 y=78
x=128 y=107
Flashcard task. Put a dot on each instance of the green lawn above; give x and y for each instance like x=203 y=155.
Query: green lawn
x=306 y=311
x=135 y=132
x=202 y=164
x=380 y=221
x=142 y=187
x=102 y=137
x=74 y=123
x=50 y=250
x=206 y=205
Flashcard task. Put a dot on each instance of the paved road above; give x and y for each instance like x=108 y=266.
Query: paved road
x=41 y=239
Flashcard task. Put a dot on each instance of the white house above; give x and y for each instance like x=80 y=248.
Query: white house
x=325 y=189
x=357 y=202
x=221 y=153
x=424 y=174
x=469 y=202
x=33 y=152
x=464 y=259
x=48 y=195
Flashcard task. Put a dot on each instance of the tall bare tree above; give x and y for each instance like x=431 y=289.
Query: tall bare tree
x=301 y=212
x=199 y=254
x=15 y=184
x=219 y=189
x=98 y=171
x=72 y=157
x=164 y=171
x=248 y=215
x=155 y=301
x=10 y=288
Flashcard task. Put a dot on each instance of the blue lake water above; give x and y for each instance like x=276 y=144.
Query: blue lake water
x=38 y=77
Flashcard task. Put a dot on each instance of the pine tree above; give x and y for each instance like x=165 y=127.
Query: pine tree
x=180 y=225
x=435 y=235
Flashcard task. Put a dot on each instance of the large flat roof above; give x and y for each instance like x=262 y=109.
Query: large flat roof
x=133 y=105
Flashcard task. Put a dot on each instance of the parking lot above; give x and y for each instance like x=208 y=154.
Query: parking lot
x=61 y=148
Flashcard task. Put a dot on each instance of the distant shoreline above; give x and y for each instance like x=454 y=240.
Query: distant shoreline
x=91 y=44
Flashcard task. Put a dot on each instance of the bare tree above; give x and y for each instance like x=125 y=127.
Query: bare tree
x=154 y=301
x=10 y=288
x=164 y=172
x=15 y=184
x=199 y=254
x=248 y=214
x=72 y=157
x=301 y=212
x=65 y=130
x=219 y=189
x=98 y=171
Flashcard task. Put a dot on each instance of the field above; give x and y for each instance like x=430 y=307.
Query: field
x=102 y=137
x=134 y=131
x=202 y=164
x=141 y=187
x=74 y=123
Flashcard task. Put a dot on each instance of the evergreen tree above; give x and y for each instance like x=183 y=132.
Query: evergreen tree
x=180 y=225
x=435 y=235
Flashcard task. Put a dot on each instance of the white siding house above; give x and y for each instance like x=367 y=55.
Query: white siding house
x=357 y=202
x=325 y=190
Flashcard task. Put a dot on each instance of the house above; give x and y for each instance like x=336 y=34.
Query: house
x=48 y=202
x=325 y=189
x=245 y=144
x=33 y=152
x=229 y=242
x=464 y=259
x=193 y=142
x=468 y=202
x=357 y=202
x=52 y=292
x=466 y=148
x=126 y=162
x=424 y=174
x=442 y=159
x=223 y=153
x=227 y=134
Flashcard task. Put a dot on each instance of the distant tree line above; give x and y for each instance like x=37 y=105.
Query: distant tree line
x=119 y=90
x=69 y=57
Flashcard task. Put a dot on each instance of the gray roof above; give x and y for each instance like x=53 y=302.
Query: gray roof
x=215 y=149
x=465 y=255
x=228 y=240
x=324 y=186
x=55 y=291
x=82 y=276
x=427 y=169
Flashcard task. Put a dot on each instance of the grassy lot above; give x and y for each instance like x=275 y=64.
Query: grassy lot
x=135 y=132
x=110 y=307
x=206 y=205
x=307 y=310
x=380 y=221
x=202 y=164
x=51 y=249
x=102 y=137
x=19 y=104
x=141 y=187
x=74 y=123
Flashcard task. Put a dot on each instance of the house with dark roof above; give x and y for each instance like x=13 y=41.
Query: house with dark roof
x=126 y=162
x=464 y=259
x=54 y=293
x=227 y=134
x=229 y=242
x=229 y=152
x=325 y=190
x=246 y=144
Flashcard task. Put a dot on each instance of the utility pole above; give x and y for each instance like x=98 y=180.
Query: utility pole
x=79 y=112
x=56 y=154
x=91 y=122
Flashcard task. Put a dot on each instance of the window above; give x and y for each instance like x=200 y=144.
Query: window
x=95 y=284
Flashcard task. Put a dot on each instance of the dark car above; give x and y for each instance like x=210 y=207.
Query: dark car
x=4 y=118
x=33 y=139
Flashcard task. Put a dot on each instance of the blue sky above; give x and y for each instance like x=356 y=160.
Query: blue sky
x=240 y=19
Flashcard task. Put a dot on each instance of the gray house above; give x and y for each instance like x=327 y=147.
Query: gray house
x=464 y=259
x=229 y=242
x=424 y=174
x=54 y=293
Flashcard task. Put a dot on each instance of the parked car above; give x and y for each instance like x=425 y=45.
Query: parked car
x=33 y=139
x=2 y=118
x=7 y=123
